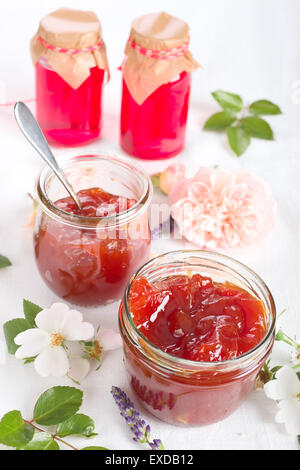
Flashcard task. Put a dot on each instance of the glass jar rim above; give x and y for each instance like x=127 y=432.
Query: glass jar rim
x=78 y=220
x=187 y=363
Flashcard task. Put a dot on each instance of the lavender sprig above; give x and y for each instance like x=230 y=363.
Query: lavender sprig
x=138 y=426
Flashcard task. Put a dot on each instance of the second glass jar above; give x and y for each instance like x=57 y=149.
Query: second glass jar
x=88 y=260
x=182 y=391
x=156 y=128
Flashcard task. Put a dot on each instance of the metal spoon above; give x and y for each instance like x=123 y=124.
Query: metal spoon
x=34 y=134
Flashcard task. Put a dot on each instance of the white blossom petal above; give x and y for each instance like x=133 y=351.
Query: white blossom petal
x=31 y=342
x=285 y=386
x=52 y=361
x=289 y=414
x=109 y=339
x=77 y=330
x=53 y=319
x=79 y=368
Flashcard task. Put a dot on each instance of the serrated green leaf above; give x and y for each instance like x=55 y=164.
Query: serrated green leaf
x=264 y=107
x=228 y=101
x=94 y=448
x=11 y=328
x=257 y=127
x=30 y=311
x=4 y=262
x=238 y=139
x=57 y=405
x=219 y=121
x=42 y=441
x=79 y=424
x=14 y=432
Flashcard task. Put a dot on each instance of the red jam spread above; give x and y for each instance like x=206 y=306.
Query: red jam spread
x=198 y=319
x=84 y=265
x=96 y=203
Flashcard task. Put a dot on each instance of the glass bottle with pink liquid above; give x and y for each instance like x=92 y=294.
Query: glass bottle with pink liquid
x=156 y=87
x=70 y=64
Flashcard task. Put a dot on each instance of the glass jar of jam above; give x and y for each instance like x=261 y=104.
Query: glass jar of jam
x=196 y=326
x=66 y=115
x=70 y=63
x=87 y=257
x=156 y=87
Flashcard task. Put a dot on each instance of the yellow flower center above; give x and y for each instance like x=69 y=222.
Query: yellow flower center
x=56 y=339
x=298 y=396
x=95 y=353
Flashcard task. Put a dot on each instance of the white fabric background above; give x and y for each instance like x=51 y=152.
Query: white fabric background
x=249 y=47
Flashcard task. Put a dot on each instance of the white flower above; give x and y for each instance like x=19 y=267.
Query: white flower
x=79 y=368
x=286 y=389
x=295 y=355
x=54 y=326
x=109 y=339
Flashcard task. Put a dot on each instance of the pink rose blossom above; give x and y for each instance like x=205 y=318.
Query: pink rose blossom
x=223 y=210
x=170 y=176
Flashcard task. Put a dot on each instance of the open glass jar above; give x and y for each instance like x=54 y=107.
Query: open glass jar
x=88 y=260
x=186 y=392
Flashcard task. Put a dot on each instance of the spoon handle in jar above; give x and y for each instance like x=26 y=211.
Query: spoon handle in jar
x=35 y=136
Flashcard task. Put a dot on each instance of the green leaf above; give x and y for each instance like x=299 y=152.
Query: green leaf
x=11 y=328
x=78 y=424
x=228 y=101
x=30 y=311
x=264 y=107
x=279 y=335
x=298 y=439
x=42 y=441
x=29 y=360
x=257 y=127
x=57 y=404
x=94 y=448
x=275 y=369
x=4 y=262
x=14 y=432
x=219 y=121
x=239 y=140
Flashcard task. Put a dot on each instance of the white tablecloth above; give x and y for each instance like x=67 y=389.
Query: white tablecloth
x=248 y=47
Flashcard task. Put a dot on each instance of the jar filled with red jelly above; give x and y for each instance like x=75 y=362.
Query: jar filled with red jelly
x=197 y=326
x=86 y=257
x=70 y=62
x=156 y=87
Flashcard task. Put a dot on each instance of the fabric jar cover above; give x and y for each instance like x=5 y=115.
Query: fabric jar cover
x=71 y=41
x=156 y=52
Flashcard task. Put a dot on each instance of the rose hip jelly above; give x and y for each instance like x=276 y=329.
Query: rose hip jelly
x=87 y=257
x=197 y=326
x=70 y=63
x=68 y=116
x=156 y=128
x=156 y=87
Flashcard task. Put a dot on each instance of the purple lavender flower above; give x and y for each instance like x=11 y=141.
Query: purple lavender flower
x=138 y=426
x=165 y=228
